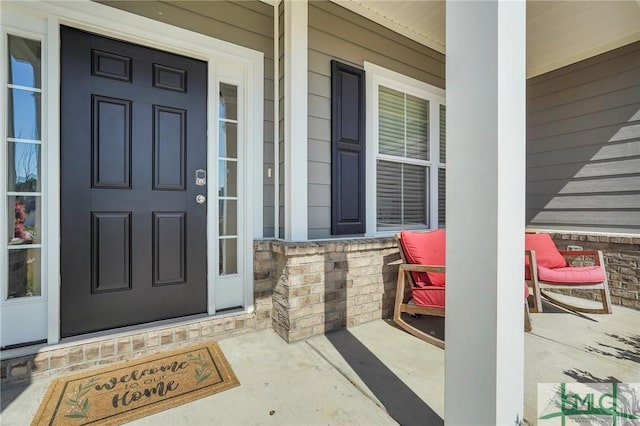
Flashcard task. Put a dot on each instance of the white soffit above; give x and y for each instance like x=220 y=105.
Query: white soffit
x=422 y=20
x=559 y=33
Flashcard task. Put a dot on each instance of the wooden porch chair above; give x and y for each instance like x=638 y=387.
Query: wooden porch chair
x=546 y=267
x=421 y=278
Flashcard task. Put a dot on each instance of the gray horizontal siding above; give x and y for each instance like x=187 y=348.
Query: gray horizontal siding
x=592 y=219
x=618 y=116
x=620 y=132
x=583 y=72
x=621 y=81
x=583 y=145
x=588 y=169
x=567 y=155
x=337 y=33
x=585 y=201
x=551 y=188
x=624 y=97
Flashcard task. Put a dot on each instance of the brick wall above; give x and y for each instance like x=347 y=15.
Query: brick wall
x=622 y=260
x=322 y=286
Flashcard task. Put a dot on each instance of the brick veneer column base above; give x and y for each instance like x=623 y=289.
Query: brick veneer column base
x=325 y=285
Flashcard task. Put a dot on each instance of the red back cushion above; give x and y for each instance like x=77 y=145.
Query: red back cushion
x=547 y=254
x=425 y=248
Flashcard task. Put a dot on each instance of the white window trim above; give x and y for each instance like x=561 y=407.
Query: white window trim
x=227 y=287
x=375 y=76
x=108 y=21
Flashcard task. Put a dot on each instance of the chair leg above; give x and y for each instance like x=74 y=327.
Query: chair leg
x=397 y=309
x=537 y=298
x=527 y=317
x=604 y=293
x=606 y=299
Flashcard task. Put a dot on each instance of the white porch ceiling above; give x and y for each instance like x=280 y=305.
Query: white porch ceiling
x=559 y=33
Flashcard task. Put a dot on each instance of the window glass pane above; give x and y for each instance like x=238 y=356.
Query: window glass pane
x=442 y=204
x=23 y=114
x=228 y=140
x=417 y=128
x=443 y=134
x=24 y=62
x=23 y=169
x=228 y=178
x=228 y=218
x=24 y=273
x=24 y=220
x=391 y=129
x=401 y=194
x=228 y=256
x=228 y=101
x=414 y=195
x=389 y=194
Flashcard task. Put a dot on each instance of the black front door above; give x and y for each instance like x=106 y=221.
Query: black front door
x=133 y=135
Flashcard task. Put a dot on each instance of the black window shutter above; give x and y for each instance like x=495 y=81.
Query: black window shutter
x=347 y=149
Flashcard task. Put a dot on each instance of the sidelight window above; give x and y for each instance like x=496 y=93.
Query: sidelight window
x=23 y=142
x=228 y=180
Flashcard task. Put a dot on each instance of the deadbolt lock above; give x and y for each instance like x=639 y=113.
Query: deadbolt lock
x=201 y=177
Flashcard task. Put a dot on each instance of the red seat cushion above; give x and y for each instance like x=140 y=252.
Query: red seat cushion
x=547 y=255
x=572 y=275
x=428 y=296
x=425 y=248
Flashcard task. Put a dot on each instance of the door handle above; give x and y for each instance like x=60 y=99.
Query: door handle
x=200 y=199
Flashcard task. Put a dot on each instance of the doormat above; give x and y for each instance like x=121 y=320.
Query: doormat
x=138 y=388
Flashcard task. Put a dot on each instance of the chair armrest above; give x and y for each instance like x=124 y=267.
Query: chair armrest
x=414 y=267
x=405 y=270
x=595 y=254
x=578 y=253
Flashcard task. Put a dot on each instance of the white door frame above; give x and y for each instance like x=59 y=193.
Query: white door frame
x=223 y=58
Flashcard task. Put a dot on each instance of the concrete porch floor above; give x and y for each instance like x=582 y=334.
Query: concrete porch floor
x=376 y=374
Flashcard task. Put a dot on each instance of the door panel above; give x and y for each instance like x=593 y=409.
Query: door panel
x=133 y=132
x=110 y=251
x=111 y=150
x=169 y=147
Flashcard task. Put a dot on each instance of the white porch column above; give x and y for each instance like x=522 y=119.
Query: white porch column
x=484 y=356
x=295 y=115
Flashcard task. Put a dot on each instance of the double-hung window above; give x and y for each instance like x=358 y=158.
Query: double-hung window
x=406 y=163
